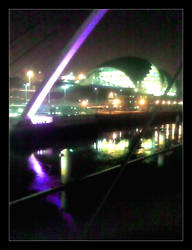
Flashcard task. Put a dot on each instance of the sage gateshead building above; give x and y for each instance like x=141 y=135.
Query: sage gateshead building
x=136 y=81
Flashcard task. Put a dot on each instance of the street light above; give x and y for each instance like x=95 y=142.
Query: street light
x=30 y=75
x=142 y=102
x=81 y=76
x=84 y=103
x=65 y=87
x=26 y=85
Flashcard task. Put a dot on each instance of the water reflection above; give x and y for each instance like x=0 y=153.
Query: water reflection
x=43 y=181
x=48 y=151
x=65 y=174
x=65 y=165
x=115 y=145
x=108 y=150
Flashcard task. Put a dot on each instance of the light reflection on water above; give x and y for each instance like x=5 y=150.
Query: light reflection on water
x=43 y=181
x=109 y=146
x=116 y=144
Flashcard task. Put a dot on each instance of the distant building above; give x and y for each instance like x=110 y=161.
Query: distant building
x=133 y=73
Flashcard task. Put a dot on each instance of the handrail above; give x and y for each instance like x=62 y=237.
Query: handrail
x=53 y=190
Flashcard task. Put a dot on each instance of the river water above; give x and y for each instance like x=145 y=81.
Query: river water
x=146 y=202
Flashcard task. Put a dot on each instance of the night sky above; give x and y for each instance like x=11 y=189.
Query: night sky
x=37 y=38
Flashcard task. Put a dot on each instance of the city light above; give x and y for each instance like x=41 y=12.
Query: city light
x=111 y=95
x=109 y=76
x=114 y=136
x=37 y=119
x=142 y=102
x=147 y=144
x=163 y=102
x=30 y=74
x=84 y=103
x=26 y=90
x=112 y=148
x=116 y=101
x=20 y=110
x=173 y=131
x=65 y=86
x=81 y=76
x=161 y=139
x=69 y=77
x=64 y=154
x=157 y=102
x=13 y=114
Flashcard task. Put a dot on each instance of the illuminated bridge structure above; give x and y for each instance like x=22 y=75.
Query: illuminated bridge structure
x=131 y=73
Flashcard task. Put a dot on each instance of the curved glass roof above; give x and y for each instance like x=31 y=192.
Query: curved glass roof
x=132 y=73
x=108 y=76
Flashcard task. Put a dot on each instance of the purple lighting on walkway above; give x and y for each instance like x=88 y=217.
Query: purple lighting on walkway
x=39 y=119
x=73 y=47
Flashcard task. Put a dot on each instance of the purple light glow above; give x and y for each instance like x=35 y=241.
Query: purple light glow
x=36 y=166
x=39 y=119
x=48 y=151
x=43 y=182
x=73 y=46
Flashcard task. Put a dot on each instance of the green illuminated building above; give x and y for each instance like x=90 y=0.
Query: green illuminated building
x=133 y=73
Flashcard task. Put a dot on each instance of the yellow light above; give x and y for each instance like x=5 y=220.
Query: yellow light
x=116 y=101
x=111 y=95
x=30 y=73
x=112 y=148
x=157 y=102
x=64 y=154
x=114 y=136
x=173 y=131
x=163 y=102
x=20 y=110
x=167 y=131
x=81 y=76
x=180 y=130
x=142 y=102
x=161 y=139
x=168 y=102
x=174 y=102
x=84 y=103
x=147 y=144
x=156 y=136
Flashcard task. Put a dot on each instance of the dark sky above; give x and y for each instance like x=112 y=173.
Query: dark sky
x=37 y=38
